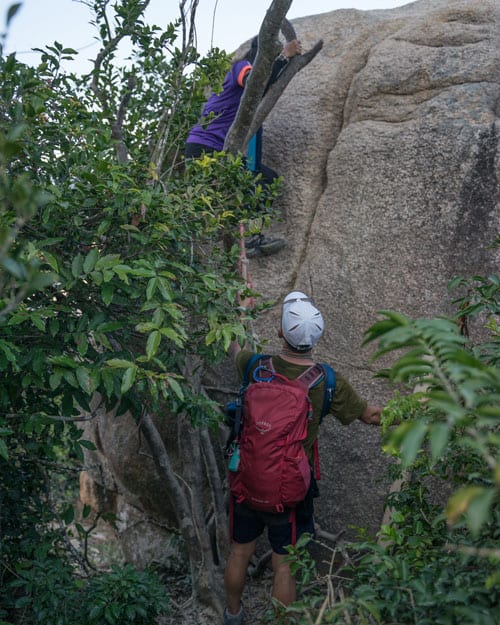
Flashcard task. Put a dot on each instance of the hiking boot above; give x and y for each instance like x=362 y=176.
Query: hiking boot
x=234 y=619
x=259 y=245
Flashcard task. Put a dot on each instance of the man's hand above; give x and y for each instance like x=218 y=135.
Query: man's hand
x=291 y=48
x=371 y=415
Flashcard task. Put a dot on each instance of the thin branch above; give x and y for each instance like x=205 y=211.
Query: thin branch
x=84 y=565
x=166 y=118
x=213 y=24
x=19 y=415
x=288 y=30
x=102 y=96
x=333 y=538
x=117 y=126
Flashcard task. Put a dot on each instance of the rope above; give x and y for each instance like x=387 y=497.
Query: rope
x=243 y=263
x=245 y=274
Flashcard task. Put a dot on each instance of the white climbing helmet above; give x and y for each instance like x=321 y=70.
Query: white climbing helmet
x=301 y=322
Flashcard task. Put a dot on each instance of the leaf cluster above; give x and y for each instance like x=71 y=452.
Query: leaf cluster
x=433 y=562
x=114 y=275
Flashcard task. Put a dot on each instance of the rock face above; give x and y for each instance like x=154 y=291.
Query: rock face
x=388 y=145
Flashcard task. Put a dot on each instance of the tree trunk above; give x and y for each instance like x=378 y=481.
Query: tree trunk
x=185 y=497
x=254 y=106
x=256 y=83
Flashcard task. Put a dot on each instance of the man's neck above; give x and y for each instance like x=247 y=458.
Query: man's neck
x=298 y=358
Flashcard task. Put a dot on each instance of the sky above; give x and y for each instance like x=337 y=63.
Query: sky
x=221 y=23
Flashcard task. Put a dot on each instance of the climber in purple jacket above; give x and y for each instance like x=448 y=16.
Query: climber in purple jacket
x=218 y=114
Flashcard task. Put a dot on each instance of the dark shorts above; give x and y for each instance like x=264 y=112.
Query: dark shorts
x=196 y=150
x=249 y=524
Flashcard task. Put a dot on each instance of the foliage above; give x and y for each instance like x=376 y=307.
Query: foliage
x=115 y=270
x=125 y=596
x=48 y=592
x=431 y=563
x=460 y=407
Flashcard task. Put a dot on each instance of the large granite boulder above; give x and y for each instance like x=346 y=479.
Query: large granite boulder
x=388 y=145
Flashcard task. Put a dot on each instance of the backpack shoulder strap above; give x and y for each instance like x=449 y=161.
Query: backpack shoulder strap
x=254 y=358
x=313 y=376
x=330 y=384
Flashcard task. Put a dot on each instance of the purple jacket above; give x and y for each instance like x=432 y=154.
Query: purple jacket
x=223 y=108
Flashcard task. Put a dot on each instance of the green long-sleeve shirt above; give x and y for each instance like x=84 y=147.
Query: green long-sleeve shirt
x=346 y=406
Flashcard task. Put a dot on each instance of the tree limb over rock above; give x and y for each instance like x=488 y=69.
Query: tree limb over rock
x=273 y=94
x=254 y=106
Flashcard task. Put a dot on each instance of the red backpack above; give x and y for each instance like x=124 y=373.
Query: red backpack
x=273 y=471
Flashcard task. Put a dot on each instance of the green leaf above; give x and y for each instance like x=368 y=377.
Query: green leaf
x=63 y=361
x=13 y=9
x=38 y=322
x=51 y=260
x=42 y=280
x=7 y=350
x=90 y=260
x=107 y=261
x=4 y=453
x=18 y=270
x=228 y=337
x=97 y=277
x=439 y=436
x=107 y=294
x=128 y=379
x=472 y=502
x=172 y=335
x=152 y=344
x=142 y=272
x=84 y=380
x=165 y=291
x=87 y=444
x=68 y=515
x=152 y=284
x=211 y=337
x=122 y=272
x=55 y=379
x=148 y=326
x=412 y=442
x=77 y=266
x=479 y=510
x=176 y=388
x=119 y=363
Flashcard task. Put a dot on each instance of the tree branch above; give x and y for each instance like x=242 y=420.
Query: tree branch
x=165 y=470
x=288 y=30
x=116 y=124
x=214 y=479
x=254 y=89
x=254 y=106
x=166 y=118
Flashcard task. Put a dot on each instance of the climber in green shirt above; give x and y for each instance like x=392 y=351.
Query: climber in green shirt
x=301 y=328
